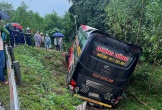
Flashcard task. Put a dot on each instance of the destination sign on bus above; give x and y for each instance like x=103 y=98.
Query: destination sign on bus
x=111 y=55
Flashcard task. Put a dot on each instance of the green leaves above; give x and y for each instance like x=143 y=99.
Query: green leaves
x=89 y=12
x=137 y=21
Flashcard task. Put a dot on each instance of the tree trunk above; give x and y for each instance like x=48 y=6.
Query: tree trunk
x=140 y=22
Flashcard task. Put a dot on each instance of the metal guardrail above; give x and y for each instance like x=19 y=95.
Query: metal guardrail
x=14 y=101
x=82 y=106
x=1 y=107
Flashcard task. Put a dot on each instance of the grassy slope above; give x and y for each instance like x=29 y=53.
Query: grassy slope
x=43 y=75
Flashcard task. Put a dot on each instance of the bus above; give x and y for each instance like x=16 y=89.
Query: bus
x=100 y=66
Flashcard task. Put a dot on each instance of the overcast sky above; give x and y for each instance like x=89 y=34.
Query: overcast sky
x=43 y=6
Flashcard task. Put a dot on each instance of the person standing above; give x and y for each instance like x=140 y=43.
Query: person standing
x=2 y=57
x=61 y=44
x=42 y=39
x=10 y=28
x=57 y=43
x=15 y=34
x=28 y=36
x=47 y=42
x=37 y=38
x=21 y=35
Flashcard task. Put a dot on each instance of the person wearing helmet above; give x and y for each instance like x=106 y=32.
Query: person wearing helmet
x=28 y=36
x=21 y=35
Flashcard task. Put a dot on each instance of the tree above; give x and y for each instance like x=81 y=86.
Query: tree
x=139 y=22
x=90 y=12
x=8 y=8
x=152 y=31
x=68 y=27
x=52 y=21
x=27 y=18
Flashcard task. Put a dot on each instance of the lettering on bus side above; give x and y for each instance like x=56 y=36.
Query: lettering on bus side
x=98 y=76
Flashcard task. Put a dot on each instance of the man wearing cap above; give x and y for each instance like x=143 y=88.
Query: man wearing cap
x=2 y=57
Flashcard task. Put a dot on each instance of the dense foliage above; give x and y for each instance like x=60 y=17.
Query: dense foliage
x=90 y=12
x=138 y=22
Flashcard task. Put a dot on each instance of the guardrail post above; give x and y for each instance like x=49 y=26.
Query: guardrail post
x=14 y=101
x=11 y=53
x=16 y=67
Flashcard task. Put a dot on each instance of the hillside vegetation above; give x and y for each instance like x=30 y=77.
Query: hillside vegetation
x=43 y=84
x=43 y=81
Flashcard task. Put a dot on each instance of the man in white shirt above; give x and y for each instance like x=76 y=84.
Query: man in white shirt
x=2 y=57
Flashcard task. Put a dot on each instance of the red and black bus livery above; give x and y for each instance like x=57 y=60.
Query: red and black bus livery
x=100 y=66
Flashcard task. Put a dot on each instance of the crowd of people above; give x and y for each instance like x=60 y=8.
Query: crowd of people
x=13 y=34
x=18 y=36
x=41 y=41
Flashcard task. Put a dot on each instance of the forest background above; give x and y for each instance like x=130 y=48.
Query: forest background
x=137 y=22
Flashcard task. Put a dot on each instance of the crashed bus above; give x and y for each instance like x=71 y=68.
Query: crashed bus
x=100 y=66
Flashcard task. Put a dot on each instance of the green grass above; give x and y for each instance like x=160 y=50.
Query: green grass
x=43 y=81
x=138 y=86
x=43 y=84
